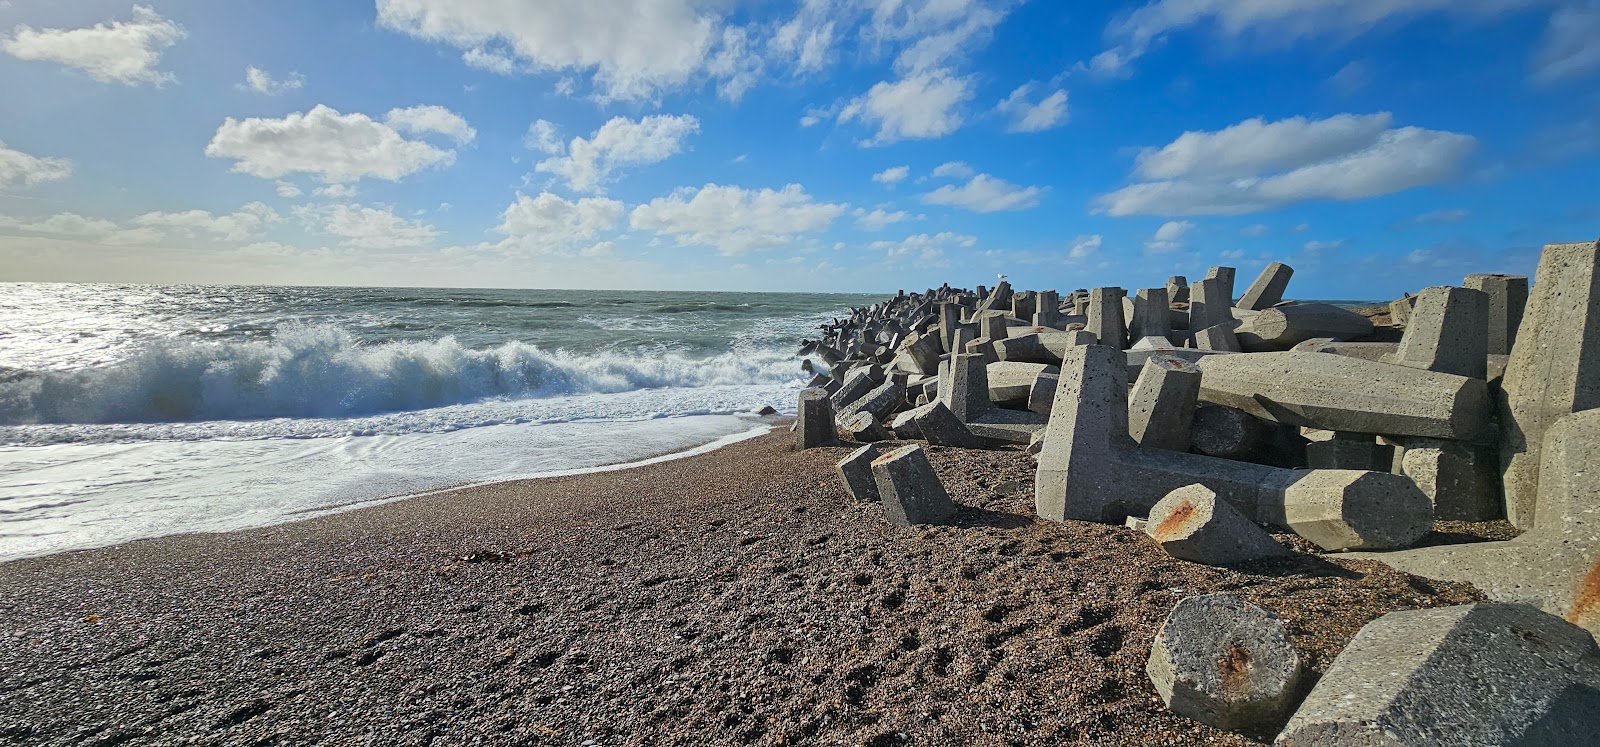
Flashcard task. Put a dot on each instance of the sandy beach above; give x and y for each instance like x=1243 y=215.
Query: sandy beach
x=735 y=597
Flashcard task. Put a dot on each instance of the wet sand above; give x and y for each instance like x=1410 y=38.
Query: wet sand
x=735 y=597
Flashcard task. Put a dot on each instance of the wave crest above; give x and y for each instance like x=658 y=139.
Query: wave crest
x=322 y=371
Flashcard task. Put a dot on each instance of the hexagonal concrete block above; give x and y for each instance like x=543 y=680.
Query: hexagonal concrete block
x=1476 y=674
x=1226 y=663
x=1192 y=524
x=1341 y=509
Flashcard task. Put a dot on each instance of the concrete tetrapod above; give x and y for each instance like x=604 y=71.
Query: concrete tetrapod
x=1226 y=433
x=864 y=427
x=1227 y=663
x=1011 y=381
x=1475 y=674
x=909 y=489
x=1556 y=565
x=1337 y=393
x=856 y=471
x=1554 y=368
x=814 y=426
x=1462 y=480
x=1191 y=524
x=1508 y=299
x=1346 y=509
x=1283 y=327
x=935 y=424
x=968 y=397
x=1161 y=407
x=1106 y=320
x=1267 y=290
x=1151 y=315
x=1448 y=333
x=1209 y=305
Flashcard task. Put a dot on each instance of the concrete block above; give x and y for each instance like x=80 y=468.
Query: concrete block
x=856 y=471
x=1043 y=392
x=1025 y=305
x=1192 y=524
x=1106 y=320
x=1462 y=480
x=1344 y=451
x=1448 y=333
x=1226 y=433
x=1508 y=299
x=1554 y=368
x=1267 y=290
x=1178 y=289
x=935 y=424
x=1352 y=510
x=968 y=399
x=1218 y=339
x=949 y=320
x=1136 y=524
x=864 y=427
x=920 y=354
x=1151 y=314
x=1208 y=304
x=880 y=402
x=857 y=383
x=1136 y=358
x=1011 y=382
x=1556 y=565
x=1367 y=351
x=909 y=489
x=1226 y=663
x=1476 y=674
x=1161 y=407
x=1090 y=468
x=1283 y=327
x=814 y=425
x=1039 y=347
x=1225 y=275
x=1400 y=310
x=983 y=346
x=1336 y=393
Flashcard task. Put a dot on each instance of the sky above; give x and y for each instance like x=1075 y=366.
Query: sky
x=1377 y=146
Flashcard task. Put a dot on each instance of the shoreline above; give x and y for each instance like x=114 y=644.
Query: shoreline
x=734 y=596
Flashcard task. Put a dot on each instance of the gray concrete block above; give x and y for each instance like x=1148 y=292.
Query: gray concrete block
x=1043 y=392
x=882 y=401
x=1556 y=565
x=1151 y=317
x=857 y=383
x=935 y=424
x=1135 y=359
x=1010 y=382
x=1554 y=368
x=1448 y=333
x=1400 y=310
x=1283 y=327
x=1218 y=339
x=1192 y=524
x=1178 y=289
x=1268 y=288
x=1209 y=304
x=1226 y=433
x=1508 y=299
x=814 y=425
x=1161 y=406
x=920 y=354
x=1106 y=320
x=1039 y=347
x=909 y=489
x=1462 y=480
x=1226 y=663
x=864 y=427
x=1344 y=451
x=1348 y=394
x=1368 y=351
x=1226 y=276
x=1478 y=674
x=856 y=472
x=1352 y=510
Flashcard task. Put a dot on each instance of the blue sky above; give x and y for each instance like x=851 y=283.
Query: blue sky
x=1378 y=146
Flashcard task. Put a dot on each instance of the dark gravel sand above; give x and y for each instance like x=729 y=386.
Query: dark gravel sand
x=735 y=597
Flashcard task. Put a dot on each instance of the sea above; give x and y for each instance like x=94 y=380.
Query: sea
x=136 y=411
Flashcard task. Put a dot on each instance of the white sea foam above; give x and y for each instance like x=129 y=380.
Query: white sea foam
x=322 y=372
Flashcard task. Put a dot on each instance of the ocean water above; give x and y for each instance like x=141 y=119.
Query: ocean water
x=140 y=411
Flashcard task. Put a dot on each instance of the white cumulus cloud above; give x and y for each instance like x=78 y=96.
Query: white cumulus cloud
x=985 y=194
x=17 y=167
x=431 y=119
x=1571 y=44
x=1085 y=247
x=125 y=52
x=245 y=223
x=633 y=49
x=363 y=227
x=735 y=220
x=878 y=218
x=954 y=169
x=1026 y=116
x=336 y=148
x=261 y=81
x=919 y=107
x=548 y=223
x=1255 y=165
x=923 y=247
x=1169 y=237
x=892 y=176
x=590 y=161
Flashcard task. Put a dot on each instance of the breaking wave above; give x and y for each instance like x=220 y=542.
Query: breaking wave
x=324 y=372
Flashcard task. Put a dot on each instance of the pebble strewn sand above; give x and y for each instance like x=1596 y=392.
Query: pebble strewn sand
x=738 y=597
